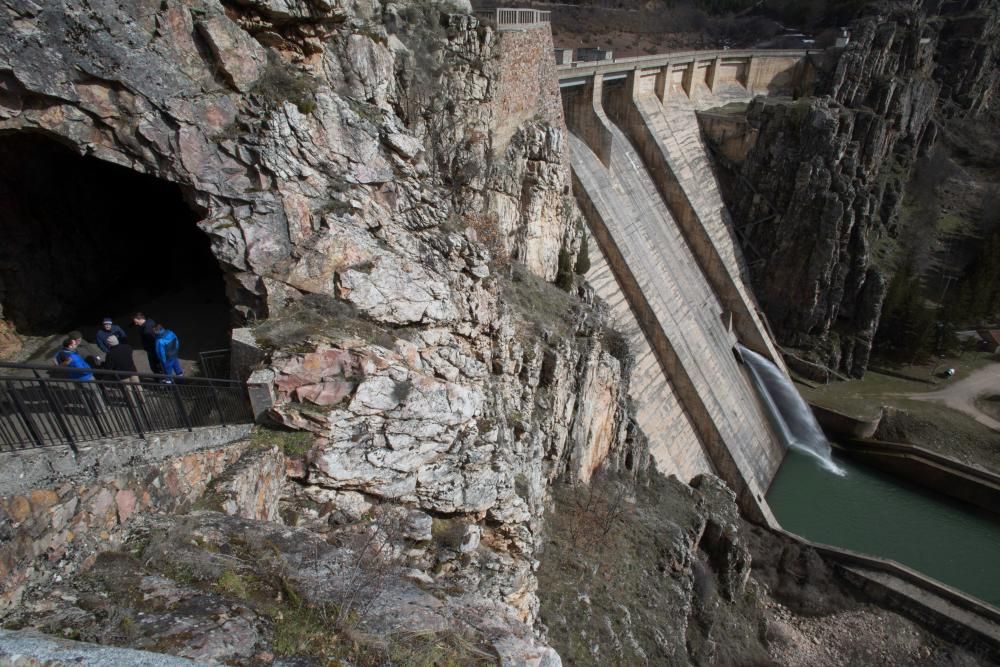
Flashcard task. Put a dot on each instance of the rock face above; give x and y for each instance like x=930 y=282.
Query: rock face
x=452 y=428
x=822 y=185
x=385 y=184
x=620 y=555
x=309 y=139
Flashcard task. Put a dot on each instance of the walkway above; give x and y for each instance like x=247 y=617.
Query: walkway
x=37 y=410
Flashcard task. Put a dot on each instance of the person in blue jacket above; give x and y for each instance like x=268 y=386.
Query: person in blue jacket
x=68 y=357
x=167 y=347
x=109 y=328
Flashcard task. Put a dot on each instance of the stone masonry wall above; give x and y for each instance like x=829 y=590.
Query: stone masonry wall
x=55 y=532
x=527 y=85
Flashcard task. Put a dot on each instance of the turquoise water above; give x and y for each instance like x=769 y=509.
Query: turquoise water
x=877 y=514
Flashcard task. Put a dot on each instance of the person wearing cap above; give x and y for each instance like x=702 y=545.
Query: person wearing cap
x=109 y=328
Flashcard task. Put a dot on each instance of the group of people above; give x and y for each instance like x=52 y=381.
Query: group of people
x=160 y=344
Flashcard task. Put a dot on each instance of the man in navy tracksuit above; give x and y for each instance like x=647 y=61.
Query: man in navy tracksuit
x=109 y=328
x=167 y=347
x=148 y=340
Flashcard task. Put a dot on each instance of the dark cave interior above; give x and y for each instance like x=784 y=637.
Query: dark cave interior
x=84 y=238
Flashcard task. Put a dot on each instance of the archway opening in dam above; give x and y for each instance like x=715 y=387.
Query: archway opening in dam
x=85 y=239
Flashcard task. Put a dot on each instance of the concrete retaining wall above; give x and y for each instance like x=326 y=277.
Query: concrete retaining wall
x=963 y=618
x=528 y=84
x=681 y=184
x=48 y=467
x=839 y=426
x=673 y=440
x=929 y=469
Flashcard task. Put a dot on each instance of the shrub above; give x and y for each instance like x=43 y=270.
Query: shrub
x=583 y=258
x=281 y=82
x=487 y=229
x=564 y=278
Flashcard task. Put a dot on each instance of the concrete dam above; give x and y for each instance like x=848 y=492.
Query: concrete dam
x=664 y=256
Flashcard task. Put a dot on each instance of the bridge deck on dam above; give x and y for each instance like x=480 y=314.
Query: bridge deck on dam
x=686 y=308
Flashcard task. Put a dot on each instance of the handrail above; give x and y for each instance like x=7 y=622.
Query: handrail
x=215 y=363
x=674 y=58
x=43 y=406
x=514 y=18
x=50 y=368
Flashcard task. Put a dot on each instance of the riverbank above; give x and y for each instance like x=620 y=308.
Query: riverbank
x=920 y=410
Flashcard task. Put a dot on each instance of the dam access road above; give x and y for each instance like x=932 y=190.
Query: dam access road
x=962 y=395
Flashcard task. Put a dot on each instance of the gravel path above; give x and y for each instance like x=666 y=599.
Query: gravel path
x=962 y=395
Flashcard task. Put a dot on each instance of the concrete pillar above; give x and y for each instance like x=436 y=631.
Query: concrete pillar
x=633 y=83
x=688 y=79
x=260 y=387
x=663 y=82
x=584 y=114
x=713 y=72
x=751 y=74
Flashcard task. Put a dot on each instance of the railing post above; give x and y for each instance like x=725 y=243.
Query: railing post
x=25 y=416
x=129 y=390
x=180 y=406
x=57 y=413
x=218 y=405
x=84 y=392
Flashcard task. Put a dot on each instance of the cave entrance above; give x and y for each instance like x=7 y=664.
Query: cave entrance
x=84 y=239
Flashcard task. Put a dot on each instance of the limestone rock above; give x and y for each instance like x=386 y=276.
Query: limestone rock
x=822 y=185
x=241 y=59
x=367 y=175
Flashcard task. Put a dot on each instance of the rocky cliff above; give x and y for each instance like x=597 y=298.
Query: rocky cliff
x=385 y=188
x=816 y=199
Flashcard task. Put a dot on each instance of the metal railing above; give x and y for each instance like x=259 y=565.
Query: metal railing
x=513 y=18
x=42 y=406
x=215 y=363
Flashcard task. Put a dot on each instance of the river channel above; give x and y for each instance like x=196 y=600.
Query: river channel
x=880 y=515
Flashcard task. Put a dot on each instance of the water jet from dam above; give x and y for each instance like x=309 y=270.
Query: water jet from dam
x=790 y=414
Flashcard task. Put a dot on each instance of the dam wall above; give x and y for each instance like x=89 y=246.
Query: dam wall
x=669 y=264
x=684 y=320
x=673 y=439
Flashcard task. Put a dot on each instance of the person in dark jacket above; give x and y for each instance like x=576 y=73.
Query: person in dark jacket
x=120 y=359
x=148 y=339
x=167 y=348
x=109 y=328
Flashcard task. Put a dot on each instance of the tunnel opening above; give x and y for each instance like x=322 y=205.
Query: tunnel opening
x=85 y=239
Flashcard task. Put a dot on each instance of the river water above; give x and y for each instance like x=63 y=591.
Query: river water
x=873 y=513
